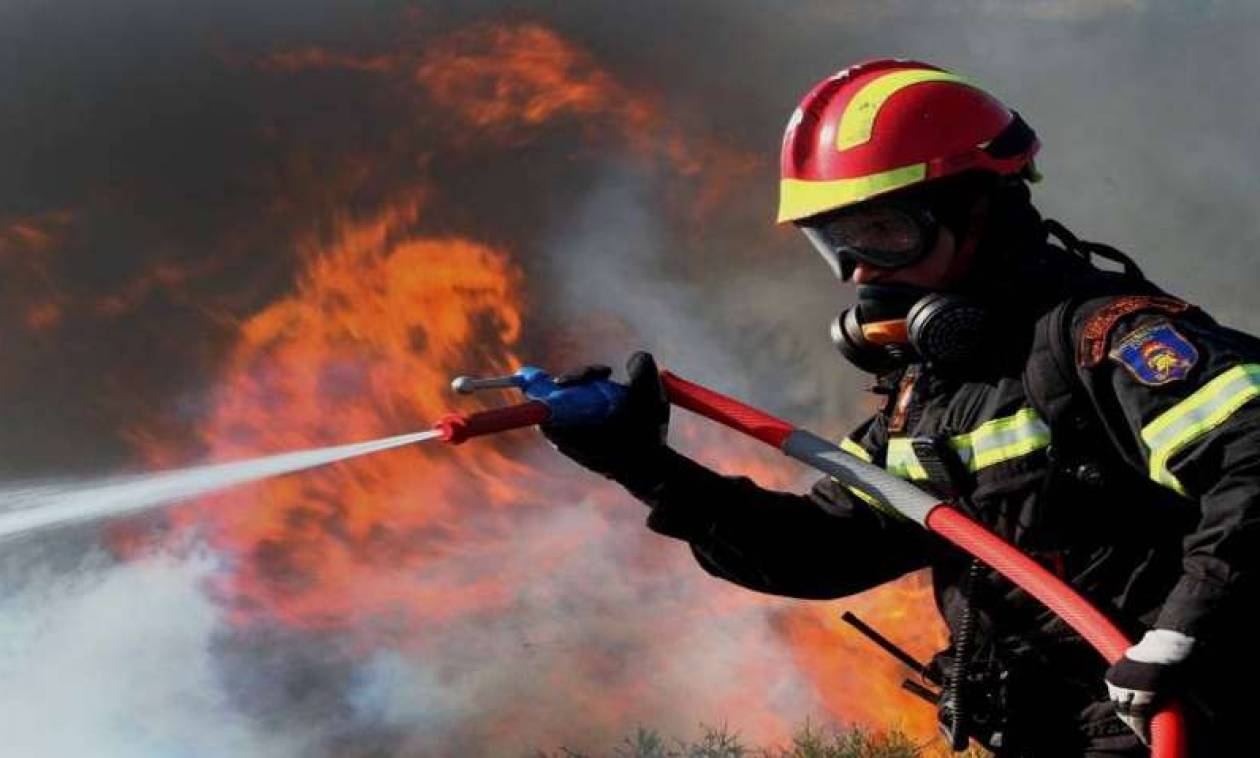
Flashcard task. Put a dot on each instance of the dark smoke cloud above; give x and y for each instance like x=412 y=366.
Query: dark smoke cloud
x=172 y=176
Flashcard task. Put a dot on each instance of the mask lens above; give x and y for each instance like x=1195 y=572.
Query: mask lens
x=841 y=265
x=887 y=236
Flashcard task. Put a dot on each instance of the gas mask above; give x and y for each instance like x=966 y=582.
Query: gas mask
x=896 y=324
x=887 y=330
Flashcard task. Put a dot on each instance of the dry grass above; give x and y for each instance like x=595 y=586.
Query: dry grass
x=809 y=742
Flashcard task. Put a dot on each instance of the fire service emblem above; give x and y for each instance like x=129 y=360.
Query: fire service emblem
x=1156 y=354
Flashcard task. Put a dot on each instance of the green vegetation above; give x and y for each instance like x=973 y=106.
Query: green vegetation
x=808 y=742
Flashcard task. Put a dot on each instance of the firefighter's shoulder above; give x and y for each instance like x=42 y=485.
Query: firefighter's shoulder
x=1169 y=371
x=1151 y=336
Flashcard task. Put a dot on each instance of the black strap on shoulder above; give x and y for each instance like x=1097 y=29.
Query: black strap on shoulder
x=1050 y=379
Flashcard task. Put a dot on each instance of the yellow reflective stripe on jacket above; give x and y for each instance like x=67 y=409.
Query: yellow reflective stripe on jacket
x=993 y=442
x=1002 y=439
x=902 y=461
x=859 y=452
x=1187 y=421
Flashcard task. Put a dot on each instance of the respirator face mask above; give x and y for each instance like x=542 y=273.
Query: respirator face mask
x=895 y=324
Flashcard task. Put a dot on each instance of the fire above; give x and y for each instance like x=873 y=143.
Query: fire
x=378 y=319
x=33 y=259
x=870 y=692
x=503 y=77
x=505 y=83
x=317 y=58
x=364 y=347
x=26 y=247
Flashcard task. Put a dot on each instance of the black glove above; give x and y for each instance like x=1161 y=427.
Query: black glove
x=629 y=446
x=1145 y=676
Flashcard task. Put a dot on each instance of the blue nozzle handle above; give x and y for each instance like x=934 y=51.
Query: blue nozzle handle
x=588 y=402
x=573 y=404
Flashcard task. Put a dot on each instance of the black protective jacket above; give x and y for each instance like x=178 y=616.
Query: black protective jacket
x=1115 y=439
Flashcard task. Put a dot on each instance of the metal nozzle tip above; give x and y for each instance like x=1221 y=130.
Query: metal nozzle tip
x=463 y=385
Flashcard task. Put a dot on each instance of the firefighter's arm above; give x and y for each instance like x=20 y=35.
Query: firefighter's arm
x=1177 y=394
x=825 y=544
x=1187 y=390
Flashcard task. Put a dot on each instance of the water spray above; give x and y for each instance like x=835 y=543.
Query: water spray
x=27 y=509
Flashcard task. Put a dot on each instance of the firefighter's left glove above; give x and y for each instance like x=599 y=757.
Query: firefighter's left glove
x=628 y=446
x=1149 y=673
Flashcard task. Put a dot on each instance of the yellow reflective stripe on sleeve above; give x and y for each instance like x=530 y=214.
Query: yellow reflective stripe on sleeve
x=859 y=114
x=1002 y=439
x=855 y=450
x=1209 y=406
x=800 y=198
x=993 y=442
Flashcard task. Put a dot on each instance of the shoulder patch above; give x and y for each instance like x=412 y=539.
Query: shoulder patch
x=1156 y=354
x=1092 y=347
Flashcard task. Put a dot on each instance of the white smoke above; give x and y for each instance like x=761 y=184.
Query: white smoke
x=115 y=660
x=614 y=624
x=757 y=332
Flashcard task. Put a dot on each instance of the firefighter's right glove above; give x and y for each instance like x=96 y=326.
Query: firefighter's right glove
x=629 y=446
x=1145 y=676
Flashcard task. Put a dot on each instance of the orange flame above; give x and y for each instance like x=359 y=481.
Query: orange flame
x=500 y=78
x=505 y=82
x=363 y=348
x=317 y=58
x=25 y=246
x=378 y=321
x=857 y=681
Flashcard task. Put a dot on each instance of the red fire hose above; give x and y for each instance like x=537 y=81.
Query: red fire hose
x=1167 y=728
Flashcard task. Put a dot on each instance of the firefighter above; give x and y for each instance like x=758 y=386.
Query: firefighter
x=1100 y=424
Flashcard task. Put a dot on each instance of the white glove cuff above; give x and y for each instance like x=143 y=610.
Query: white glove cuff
x=1162 y=646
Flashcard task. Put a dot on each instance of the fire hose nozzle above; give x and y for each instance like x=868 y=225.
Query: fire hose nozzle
x=466 y=385
x=549 y=402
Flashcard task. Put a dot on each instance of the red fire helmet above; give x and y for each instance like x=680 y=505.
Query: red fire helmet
x=888 y=124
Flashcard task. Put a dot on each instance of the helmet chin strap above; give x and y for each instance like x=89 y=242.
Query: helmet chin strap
x=968 y=242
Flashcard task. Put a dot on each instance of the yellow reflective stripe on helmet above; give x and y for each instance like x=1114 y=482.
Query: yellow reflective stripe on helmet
x=859 y=114
x=1187 y=421
x=1002 y=439
x=801 y=198
x=993 y=442
x=855 y=450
